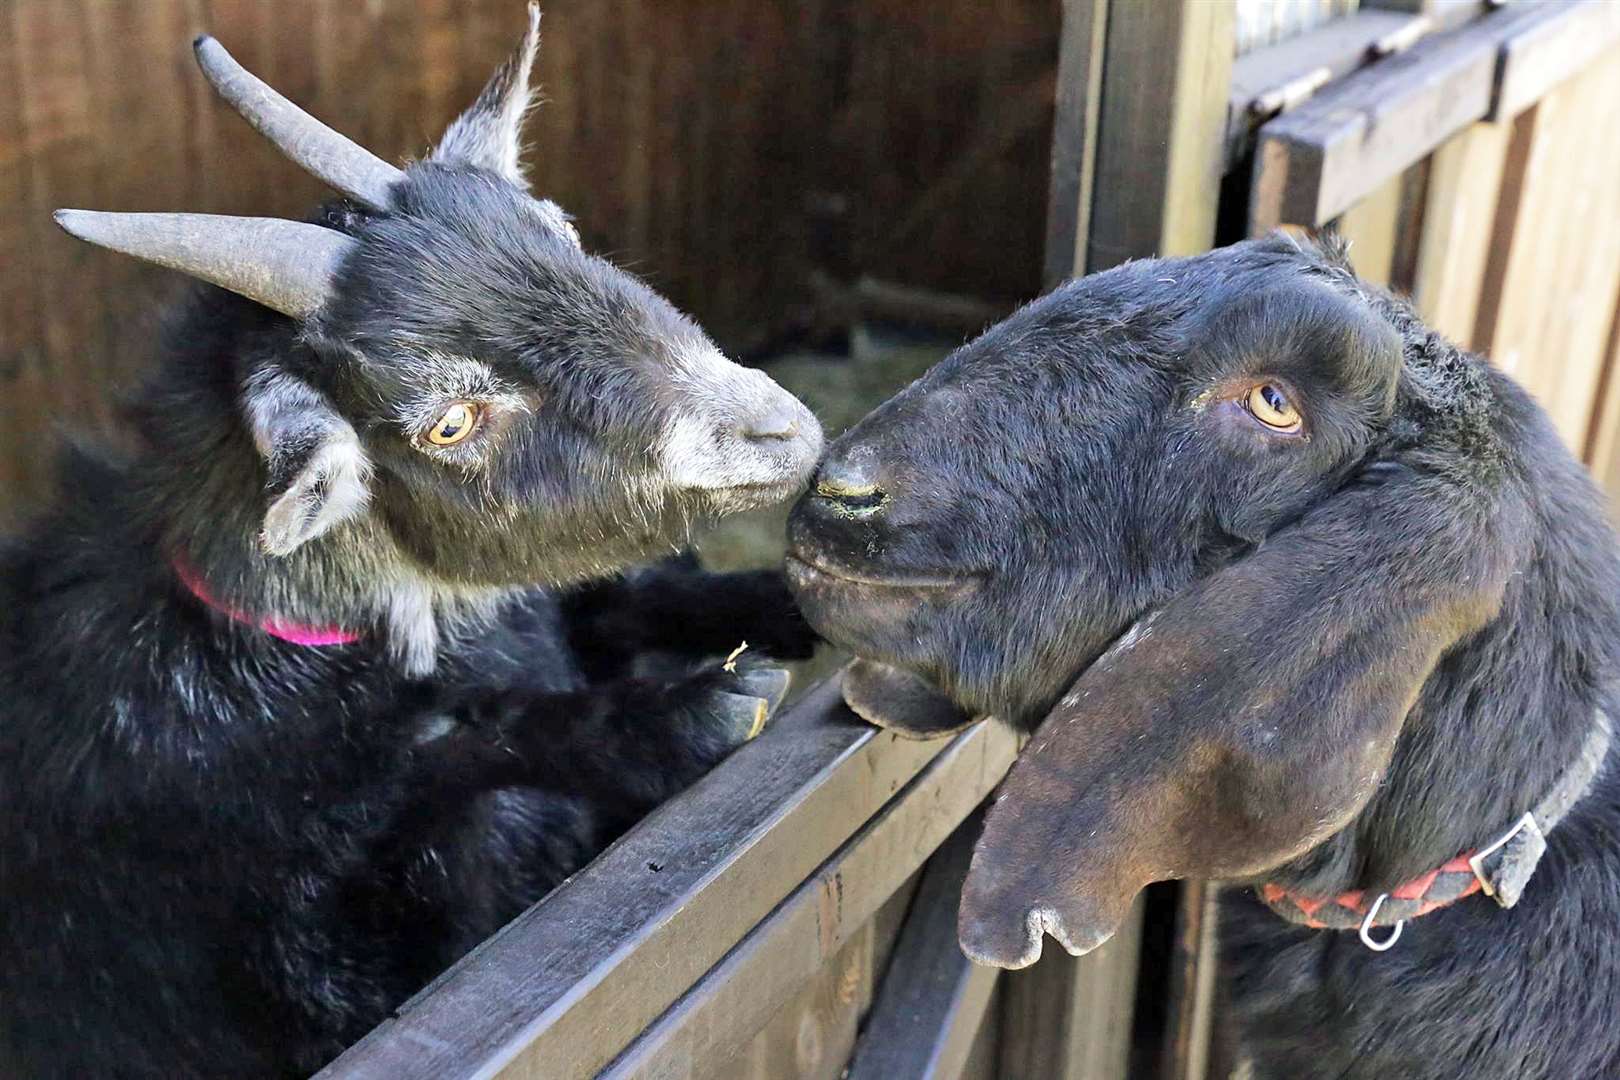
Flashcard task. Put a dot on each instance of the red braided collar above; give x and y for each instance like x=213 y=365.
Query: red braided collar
x=1501 y=869
x=275 y=626
x=1434 y=890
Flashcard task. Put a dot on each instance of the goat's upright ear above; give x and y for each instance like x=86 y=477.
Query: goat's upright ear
x=1248 y=719
x=318 y=474
x=489 y=134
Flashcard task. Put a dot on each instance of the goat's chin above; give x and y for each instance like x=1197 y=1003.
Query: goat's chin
x=719 y=502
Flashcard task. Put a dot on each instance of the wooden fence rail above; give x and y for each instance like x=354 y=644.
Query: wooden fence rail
x=673 y=948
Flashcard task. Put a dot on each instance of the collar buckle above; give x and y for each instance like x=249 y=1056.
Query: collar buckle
x=1476 y=862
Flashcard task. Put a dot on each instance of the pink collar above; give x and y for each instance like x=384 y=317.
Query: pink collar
x=270 y=624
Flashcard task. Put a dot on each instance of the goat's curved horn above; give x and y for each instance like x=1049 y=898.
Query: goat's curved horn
x=342 y=163
x=285 y=265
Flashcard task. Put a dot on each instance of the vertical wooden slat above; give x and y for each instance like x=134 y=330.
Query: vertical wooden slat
x=1603 y=445
x=1371 y=228
x=932 y=1000
x=1414 y=183
x=1161 y=155
x=1546 y=316
x=1465 y=178
x=811 y=1037
x=1069 y=1019
x=1160 y=161
x=1192 y=989
x=739 y=994
x=22 y=364
x=1074 y=137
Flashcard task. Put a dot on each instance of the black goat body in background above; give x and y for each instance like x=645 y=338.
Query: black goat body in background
x=293 y=711
x=1295 y=594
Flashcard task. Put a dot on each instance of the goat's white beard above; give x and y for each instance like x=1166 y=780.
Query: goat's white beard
x=419 y=615
x=415 y=612
x=413 y=630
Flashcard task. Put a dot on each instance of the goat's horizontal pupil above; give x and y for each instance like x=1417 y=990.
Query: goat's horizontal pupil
x=453 y=425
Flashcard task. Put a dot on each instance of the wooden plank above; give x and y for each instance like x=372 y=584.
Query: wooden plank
x=22 y=366
x=1551 y=50
x=1444 y=14
x=1465 y=178
x=933 y=998
x=1318 y=160
x=1069 y=1018
x=1414 y=185
x=1274 y=78
x=1371 y=227
x=1603 y=446
x=735 y=999
x=1548 y=318
x=1263 y=22
x=1192 y=979
x=1161 y=134
x=1074 y=137
x=1521 y=138
x=577 y=976
x=813 y=1035
x=982 y=1055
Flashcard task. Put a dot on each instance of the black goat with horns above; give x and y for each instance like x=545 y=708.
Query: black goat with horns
x=1297 y=595
x=293 y=714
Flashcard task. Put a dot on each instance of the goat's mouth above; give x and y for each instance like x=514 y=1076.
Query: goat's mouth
x=808 y=571
x=752 y=495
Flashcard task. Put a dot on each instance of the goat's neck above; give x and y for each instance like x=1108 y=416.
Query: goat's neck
x=1494 y=728
x=356 y=577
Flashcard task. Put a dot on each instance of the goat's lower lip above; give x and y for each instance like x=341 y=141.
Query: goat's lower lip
x=777 y=491
x=803 y=570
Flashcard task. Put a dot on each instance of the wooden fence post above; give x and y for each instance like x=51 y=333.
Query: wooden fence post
x=1161 y=151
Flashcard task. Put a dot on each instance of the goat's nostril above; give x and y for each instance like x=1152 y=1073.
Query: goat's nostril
x=851 y=483
x=781 y=421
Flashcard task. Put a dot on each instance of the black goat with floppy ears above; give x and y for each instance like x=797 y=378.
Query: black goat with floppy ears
x=292 y=712
x=1295 y=595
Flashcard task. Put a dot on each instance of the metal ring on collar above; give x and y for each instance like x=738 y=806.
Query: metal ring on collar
x=1367 y=925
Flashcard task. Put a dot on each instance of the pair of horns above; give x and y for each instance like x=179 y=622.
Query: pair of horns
x=285 y=265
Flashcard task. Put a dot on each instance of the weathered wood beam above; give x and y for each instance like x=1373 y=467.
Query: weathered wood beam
x=1550 y=50
x=1074 y=137
x=933 y=998
x=1275 y=78
x=739 y=996
x=1314 y=162
x=872 y=300
x=570 y=982
x=1161 y=134
x=1444 y=14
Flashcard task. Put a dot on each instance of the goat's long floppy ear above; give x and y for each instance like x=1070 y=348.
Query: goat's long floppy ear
x=319 y=475
x=1245 y=721
x=489 y=133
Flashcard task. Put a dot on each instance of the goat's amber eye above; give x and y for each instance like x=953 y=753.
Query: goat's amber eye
x=456 y=424
x=1271 y=407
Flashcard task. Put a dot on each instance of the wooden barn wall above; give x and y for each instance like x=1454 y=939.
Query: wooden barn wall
x=730 y=150
x=1266 y=22
x=1508 y=240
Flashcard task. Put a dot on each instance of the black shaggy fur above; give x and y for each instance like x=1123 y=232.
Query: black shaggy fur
x=224 y=854
x=1332 y=660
